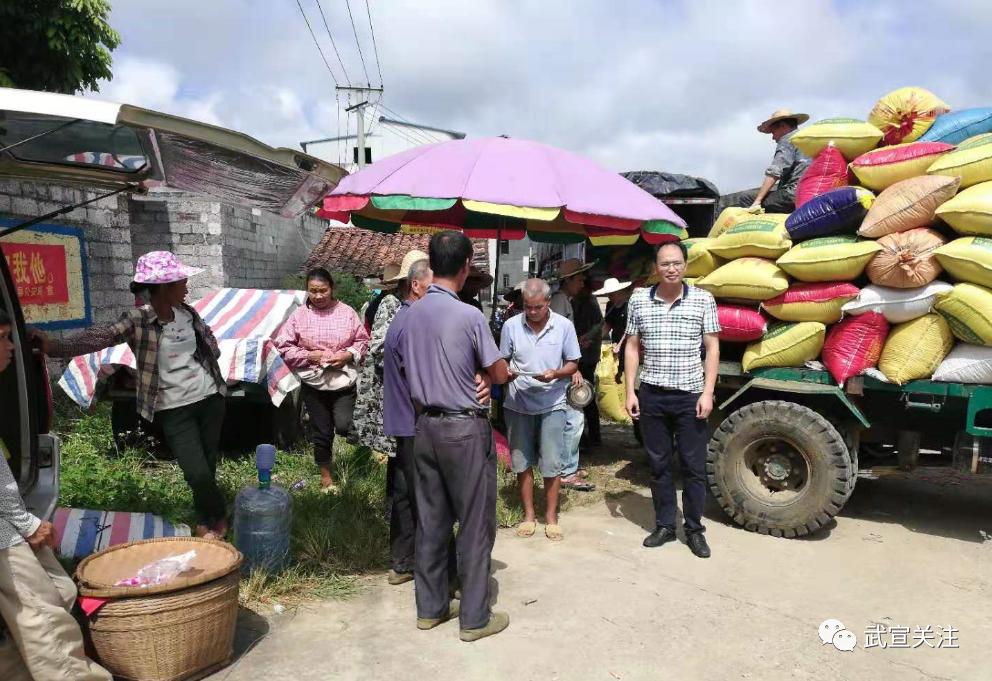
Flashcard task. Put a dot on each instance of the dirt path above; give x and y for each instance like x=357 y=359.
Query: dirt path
x=906 y=552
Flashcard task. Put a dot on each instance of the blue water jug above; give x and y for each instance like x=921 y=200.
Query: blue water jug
x=263 y=515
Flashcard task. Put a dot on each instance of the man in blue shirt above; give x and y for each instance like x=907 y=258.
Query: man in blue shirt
x=543 y=352
x=444 y=343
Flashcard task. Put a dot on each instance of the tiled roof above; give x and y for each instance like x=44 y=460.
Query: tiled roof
x=365 y=253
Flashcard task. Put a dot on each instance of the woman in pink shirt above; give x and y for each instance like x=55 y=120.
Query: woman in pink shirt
x=323 y=342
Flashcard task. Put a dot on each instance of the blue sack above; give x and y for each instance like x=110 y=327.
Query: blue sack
x=957 y=126
x=838 y=210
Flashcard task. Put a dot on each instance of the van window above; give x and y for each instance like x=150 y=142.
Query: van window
x=14 y=400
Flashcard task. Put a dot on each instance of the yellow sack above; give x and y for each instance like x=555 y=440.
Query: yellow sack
x=851 y=137
x=610 y=395
x=915 y=349
x=785 y=345
x=968 y=310
x=971 y=162
x=745 y=279
x=829 y=258
x=728 y=218
x=758 y=236
x=968 y=259
x=907 y=204
x=970 y=212
x=701 y=261
x=905 y=114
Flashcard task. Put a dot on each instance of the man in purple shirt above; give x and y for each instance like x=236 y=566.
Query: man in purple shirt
x=444 y=343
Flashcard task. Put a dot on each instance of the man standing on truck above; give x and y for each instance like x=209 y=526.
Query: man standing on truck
x=777 y=193
x=673 y=322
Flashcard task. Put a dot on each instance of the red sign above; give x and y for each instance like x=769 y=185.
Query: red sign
x=39 y=272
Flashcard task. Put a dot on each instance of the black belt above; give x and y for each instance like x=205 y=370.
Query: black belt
x=463 y=414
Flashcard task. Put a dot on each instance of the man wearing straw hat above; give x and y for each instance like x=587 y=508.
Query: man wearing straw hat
x=777 y=193
x=42 y=640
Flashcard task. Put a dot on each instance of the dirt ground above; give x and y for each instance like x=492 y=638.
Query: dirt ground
x=907 y=551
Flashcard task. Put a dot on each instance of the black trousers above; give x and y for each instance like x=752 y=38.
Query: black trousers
x=193 y=434
x=331 y=412
x=667 y=415
x=591 y=410
x=456 y=481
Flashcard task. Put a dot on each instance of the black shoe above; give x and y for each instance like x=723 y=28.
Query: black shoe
x=697 y=544
x=659 y=537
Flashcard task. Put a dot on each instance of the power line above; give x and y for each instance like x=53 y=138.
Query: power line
x=430 y=139
x=316 y=43
x=359 y=43
x=378 y=64
x=333 y=44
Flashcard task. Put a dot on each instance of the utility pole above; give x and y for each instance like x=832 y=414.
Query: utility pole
x=358 y=108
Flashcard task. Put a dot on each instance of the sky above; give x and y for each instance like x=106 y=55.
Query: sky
x=668 y=85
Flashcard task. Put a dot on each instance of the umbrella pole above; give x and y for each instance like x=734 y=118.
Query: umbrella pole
x=495 y=296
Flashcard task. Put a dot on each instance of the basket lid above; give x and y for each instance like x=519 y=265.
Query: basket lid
x=98 y=573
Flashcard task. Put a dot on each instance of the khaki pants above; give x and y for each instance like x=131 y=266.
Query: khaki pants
x=35 y=597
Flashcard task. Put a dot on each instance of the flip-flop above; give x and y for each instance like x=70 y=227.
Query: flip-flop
x=578 y=485
x=554 y=533
x=527 y=528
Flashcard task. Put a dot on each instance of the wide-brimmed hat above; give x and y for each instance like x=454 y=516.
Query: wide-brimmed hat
x=571 y=267
x=477 y=274
x=161 y=267
x=611 y=285
x=403 y=269
x=781 y=115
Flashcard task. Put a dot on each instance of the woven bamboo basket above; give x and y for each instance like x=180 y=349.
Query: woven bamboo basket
x=158 y=634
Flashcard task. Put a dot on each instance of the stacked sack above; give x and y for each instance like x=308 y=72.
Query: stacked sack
x=887 y=259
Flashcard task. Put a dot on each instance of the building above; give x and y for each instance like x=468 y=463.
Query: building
x=523 y=259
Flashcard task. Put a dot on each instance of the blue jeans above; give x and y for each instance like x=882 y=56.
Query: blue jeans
x=524 y=431
x=575 y=421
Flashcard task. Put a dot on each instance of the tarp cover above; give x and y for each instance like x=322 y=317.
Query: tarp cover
x=673 y=185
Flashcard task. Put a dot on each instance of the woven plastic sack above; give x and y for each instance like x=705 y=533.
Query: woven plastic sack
x=701 y=261
x=785 y=345
x=610 y=395
x=907 y=259
x=882 y=168
x=757 y=236
x=740 y=324
x=907 y=204
x=819 y=302
x=903 y=115
x=827 y=171
x=968 y=310
x=915 y=349
x=849 y=136
x=966 y=364
x=970 y=211
x=829 y=258
x=971 y=162
x=968 y=259
x=854 y=344
x=897 y=305
x=745 y=279
x=728 y=218
x=838 y=210
x=957 y=126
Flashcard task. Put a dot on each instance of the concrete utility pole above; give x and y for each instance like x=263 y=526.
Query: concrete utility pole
x=358 y=108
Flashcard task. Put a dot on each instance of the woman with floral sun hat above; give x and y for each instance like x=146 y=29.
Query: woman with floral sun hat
x=180 y=384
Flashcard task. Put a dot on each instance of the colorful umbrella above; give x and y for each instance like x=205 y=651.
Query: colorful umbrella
x=501 y=188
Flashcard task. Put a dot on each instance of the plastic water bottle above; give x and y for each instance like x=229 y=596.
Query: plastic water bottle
x=263 y=515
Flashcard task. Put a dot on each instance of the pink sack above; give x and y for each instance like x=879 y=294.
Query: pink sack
x=827 y=171
x=740 y=324
x=854 y=344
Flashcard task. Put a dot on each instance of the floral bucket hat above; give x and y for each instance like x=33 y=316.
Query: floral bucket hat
x=162 y=267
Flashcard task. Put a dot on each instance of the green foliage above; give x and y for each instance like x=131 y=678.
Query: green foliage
x=55 y=45
x=347 y=289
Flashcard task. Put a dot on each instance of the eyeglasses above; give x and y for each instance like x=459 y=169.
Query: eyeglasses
x=672 y=265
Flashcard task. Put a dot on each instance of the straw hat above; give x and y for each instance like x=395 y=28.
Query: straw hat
x=571 y=267
x=781 y=115
x=403 y=269
x=611 y=285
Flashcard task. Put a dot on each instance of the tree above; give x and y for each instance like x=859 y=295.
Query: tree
x=55 y=45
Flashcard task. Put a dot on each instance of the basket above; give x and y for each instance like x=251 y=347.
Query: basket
x=180 y=630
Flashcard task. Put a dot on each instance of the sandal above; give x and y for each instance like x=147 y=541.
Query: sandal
x=578 y=484
x=554 y=533
x=527 y=529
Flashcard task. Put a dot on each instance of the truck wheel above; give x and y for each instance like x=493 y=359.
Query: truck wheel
x=779 y=468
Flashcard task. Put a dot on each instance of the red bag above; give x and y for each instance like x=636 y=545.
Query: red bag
x=827 y=171
x=739 y=324
x=854 y=344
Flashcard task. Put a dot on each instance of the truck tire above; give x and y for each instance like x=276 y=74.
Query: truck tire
x=779 y=468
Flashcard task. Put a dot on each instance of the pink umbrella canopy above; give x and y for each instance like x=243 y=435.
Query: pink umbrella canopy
x=485 y=185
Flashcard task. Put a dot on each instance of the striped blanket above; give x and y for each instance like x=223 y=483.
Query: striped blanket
x=80 y=532
x=244 y=321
